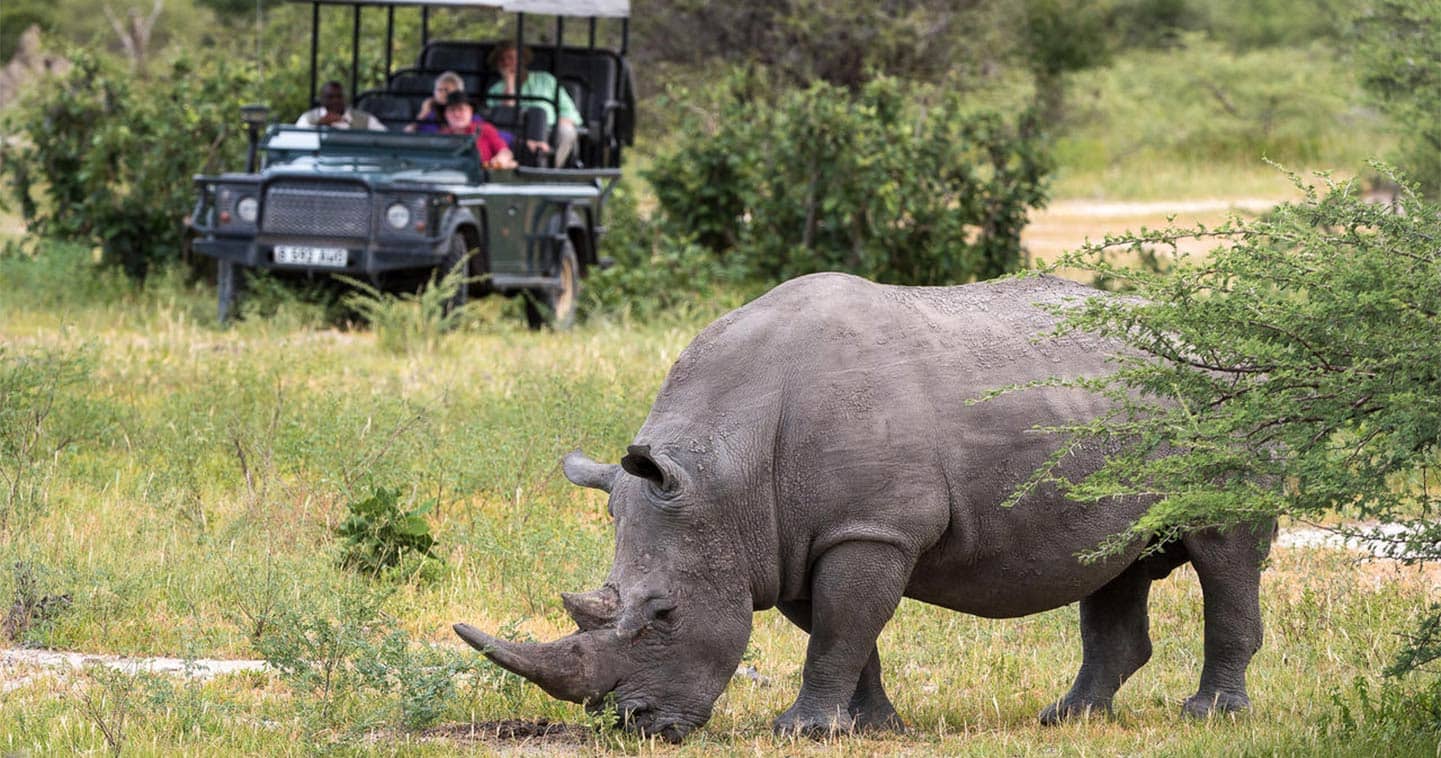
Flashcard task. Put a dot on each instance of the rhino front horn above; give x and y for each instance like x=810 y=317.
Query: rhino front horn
x=579 y=668
x=596 y=609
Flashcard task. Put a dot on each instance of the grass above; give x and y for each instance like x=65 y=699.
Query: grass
x=198 y=475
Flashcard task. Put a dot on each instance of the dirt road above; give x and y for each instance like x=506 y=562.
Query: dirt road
x=1067 y=224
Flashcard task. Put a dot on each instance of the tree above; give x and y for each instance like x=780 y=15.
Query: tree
x=1295 y=370
x=1398 y=53
x=833 y=41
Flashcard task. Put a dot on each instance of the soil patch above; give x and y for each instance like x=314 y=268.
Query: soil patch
x=514 y=733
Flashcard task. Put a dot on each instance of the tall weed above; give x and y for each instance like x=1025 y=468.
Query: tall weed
x=413 y=322
x=34 y=386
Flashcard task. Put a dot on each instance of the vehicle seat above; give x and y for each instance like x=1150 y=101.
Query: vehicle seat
x=395 y=111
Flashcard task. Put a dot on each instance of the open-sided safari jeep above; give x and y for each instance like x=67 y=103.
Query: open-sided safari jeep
x=401 y=209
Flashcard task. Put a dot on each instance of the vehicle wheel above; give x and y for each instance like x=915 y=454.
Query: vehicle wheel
x=556 y=308
x=453 y=258
x=227 y=290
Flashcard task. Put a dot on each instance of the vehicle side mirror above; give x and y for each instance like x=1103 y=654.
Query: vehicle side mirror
x=255 y=118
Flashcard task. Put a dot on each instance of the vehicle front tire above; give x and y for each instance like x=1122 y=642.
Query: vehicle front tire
x=556 y=308
x=454 y=256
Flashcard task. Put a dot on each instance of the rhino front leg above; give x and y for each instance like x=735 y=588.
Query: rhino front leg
x=1229 y=566
x=870 y=707
x=1115 y=642
x=855 y=588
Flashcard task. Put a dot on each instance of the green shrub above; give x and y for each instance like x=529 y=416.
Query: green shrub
x=378 y=534
x=88 y=164
x=351 y=666
x=897 y=182
x=654 y=272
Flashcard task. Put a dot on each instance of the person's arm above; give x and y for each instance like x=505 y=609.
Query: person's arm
x=304 y=119
x=489 y=142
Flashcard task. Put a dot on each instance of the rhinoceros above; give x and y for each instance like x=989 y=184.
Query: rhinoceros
x=814 y=451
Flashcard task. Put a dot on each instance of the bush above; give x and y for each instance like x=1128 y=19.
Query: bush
x=897 y=183
x=654 y=272
x=378 y=534
x=105 y=159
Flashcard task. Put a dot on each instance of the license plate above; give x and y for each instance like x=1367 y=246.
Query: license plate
x=300 y=255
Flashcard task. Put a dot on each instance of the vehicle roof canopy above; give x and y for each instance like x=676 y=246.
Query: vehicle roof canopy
x=573 y=8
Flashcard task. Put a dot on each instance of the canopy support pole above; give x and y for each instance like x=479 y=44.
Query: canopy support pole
x=354 y=50
x=314 y=46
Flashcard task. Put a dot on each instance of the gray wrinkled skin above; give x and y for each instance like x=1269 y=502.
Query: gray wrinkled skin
x=813 y=451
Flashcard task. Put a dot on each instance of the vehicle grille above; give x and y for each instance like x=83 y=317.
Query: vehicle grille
x=329 y=210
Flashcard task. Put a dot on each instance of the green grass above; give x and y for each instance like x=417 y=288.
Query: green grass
x=1197 y=121
x=198 y=473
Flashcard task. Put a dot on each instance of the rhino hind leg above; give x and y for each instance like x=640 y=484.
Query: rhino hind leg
x=1228 y=563
x=1115 y=642
x=842 y=669
x=870 y=708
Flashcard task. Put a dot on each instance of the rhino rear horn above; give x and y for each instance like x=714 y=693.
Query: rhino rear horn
x=596 y=609
x=581 y=470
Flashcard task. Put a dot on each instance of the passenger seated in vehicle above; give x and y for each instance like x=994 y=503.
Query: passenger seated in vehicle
x=336 y=114
x=538 y=88
x=461 y=118
x=429 y=120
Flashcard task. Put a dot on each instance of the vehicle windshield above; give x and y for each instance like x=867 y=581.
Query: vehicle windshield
x=430 y=157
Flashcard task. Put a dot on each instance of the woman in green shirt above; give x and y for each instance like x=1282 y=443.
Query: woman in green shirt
x=539 y=90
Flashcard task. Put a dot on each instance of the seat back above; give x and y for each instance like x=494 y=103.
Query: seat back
x=455 y=55
x=393 y=110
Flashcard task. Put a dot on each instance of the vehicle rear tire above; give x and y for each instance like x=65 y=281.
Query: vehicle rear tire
x=453 y=257
x=227 y=290
x=556 y=308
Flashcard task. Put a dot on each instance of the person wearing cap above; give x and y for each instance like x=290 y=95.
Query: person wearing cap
x=538 y=89
x=336 y=114
x=429 y=120
x=461 y=118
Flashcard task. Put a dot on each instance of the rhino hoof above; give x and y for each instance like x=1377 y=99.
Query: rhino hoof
x=1220 y=704
x=1062 y=711
x=816 y=726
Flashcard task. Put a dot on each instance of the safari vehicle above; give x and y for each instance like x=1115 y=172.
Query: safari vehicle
x=401 y=209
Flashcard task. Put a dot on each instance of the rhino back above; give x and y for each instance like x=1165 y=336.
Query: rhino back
x=835 y=409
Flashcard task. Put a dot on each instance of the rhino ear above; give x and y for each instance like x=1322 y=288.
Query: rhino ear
x=585 y=472
x=660 y=471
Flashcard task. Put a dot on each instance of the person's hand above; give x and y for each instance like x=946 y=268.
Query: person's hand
x=503 y=160
x=538 y=146
x=426 y=108
x=330 y=118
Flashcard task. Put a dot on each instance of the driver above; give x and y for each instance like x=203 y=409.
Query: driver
x=336 y=114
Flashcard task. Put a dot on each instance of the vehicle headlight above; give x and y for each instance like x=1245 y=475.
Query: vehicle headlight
x=247 y=208
x=397 y=215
